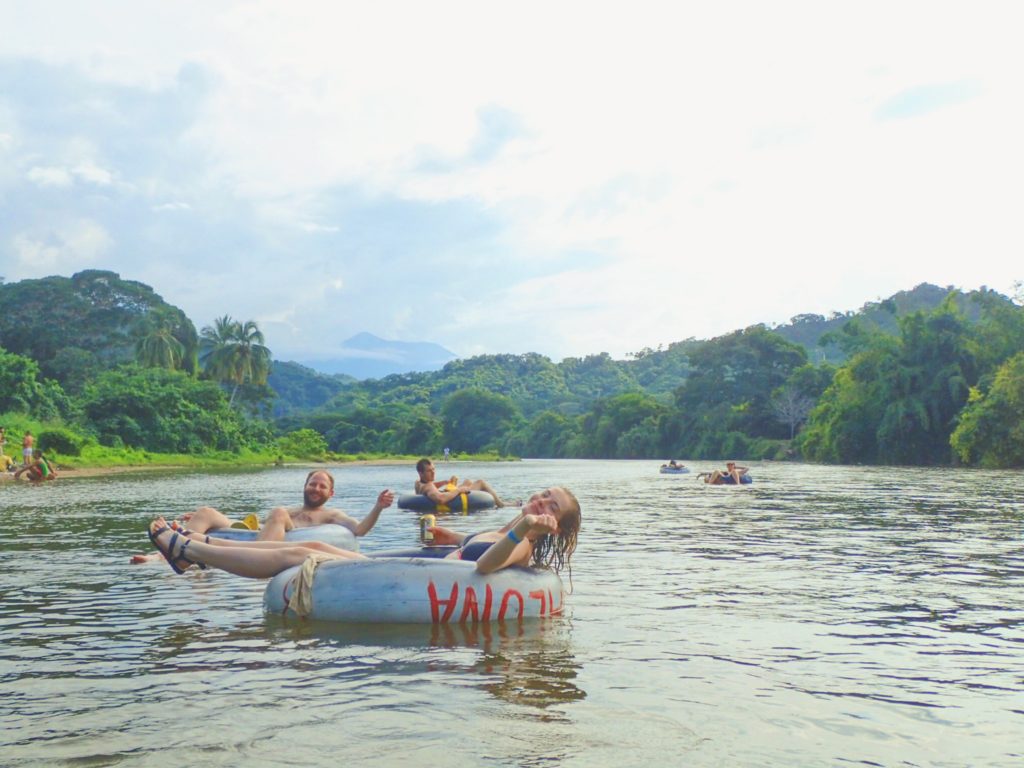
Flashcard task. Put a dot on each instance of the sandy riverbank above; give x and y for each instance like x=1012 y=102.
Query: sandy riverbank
x=65 y=472
x=83 y=472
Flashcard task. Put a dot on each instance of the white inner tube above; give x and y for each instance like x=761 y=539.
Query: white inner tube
x=331 y=533
x=420 y=590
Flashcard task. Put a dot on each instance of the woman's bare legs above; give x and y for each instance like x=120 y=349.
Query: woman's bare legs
x=251 y=562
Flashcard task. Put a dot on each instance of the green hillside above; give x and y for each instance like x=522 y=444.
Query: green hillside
x=813 y=332
x=75 y=327
x=928 y=376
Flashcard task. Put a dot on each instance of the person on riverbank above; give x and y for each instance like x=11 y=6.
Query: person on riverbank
x=316 y=492
x=543 y=534
x=731 y=476
x=443 y=492
x=38 y=470
x=27 y=444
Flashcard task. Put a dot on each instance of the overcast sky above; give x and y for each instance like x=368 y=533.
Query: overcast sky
x=559 y=177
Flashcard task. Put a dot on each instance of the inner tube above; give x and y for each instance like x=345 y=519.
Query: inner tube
x=429 y=551
x=744 y=480
x=331 y=533
x=420 y=590
x=464 y=502
x=674 y=470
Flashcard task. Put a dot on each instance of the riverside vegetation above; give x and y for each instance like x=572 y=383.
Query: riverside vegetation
x=104 y=372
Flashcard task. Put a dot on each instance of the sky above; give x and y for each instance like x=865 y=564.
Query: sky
x=567 y=178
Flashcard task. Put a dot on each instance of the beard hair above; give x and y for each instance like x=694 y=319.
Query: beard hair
x=309 y=503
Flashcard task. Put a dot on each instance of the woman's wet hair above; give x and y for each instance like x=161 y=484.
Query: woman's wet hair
x=555 y=550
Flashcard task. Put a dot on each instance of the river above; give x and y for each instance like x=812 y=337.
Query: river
x=821 y=616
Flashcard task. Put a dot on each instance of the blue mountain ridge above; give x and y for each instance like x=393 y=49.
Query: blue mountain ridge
x=365 y=356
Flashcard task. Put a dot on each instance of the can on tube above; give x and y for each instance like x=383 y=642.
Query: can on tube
x=426 y=522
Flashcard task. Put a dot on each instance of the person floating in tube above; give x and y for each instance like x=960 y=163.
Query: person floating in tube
x=444 y=491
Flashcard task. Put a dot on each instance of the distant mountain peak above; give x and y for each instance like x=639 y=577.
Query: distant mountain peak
x=366 y=356
x=364 y=339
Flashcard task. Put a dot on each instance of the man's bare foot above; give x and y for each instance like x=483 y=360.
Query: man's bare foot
x=141 y=559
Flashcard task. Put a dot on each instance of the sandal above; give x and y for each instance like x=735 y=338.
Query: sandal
x=201 y=537
x=171 y=558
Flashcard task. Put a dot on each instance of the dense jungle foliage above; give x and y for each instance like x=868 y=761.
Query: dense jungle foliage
x=97 y=365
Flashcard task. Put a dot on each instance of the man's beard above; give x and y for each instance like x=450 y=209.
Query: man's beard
x=311 y=504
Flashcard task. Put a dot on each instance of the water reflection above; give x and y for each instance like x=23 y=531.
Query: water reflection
x=528 y=663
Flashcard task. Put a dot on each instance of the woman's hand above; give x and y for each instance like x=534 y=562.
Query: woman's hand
x=542 y=524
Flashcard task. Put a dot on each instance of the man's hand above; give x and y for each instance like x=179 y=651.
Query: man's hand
x=385 y=499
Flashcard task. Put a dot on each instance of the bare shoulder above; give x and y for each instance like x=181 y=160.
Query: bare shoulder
x=331 y=515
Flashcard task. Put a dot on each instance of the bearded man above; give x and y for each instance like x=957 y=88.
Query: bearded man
x=316 y=492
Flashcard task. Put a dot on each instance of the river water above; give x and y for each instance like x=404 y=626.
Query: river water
x=822 y=616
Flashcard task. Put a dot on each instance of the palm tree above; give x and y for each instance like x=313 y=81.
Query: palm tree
x=215 y=348
x=157 y=347
x=185 y=332
x=251 y=356
x=234 y=352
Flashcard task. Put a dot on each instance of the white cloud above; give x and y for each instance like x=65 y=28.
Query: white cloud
x=66 y=248
x=50 y=176
x=313 y=228
x=93 y=174
x=62 y=177
x=34 y=254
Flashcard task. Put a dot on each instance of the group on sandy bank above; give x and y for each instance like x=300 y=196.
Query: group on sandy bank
x=35 y=466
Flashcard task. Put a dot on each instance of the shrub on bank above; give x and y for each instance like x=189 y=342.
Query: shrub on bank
x=303 y=444
x=63 y=441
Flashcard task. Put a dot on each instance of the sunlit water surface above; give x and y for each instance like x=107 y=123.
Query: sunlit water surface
x=822 y=616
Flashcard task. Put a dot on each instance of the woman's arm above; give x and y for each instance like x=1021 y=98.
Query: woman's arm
x=515 y=547
x=446 y=536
